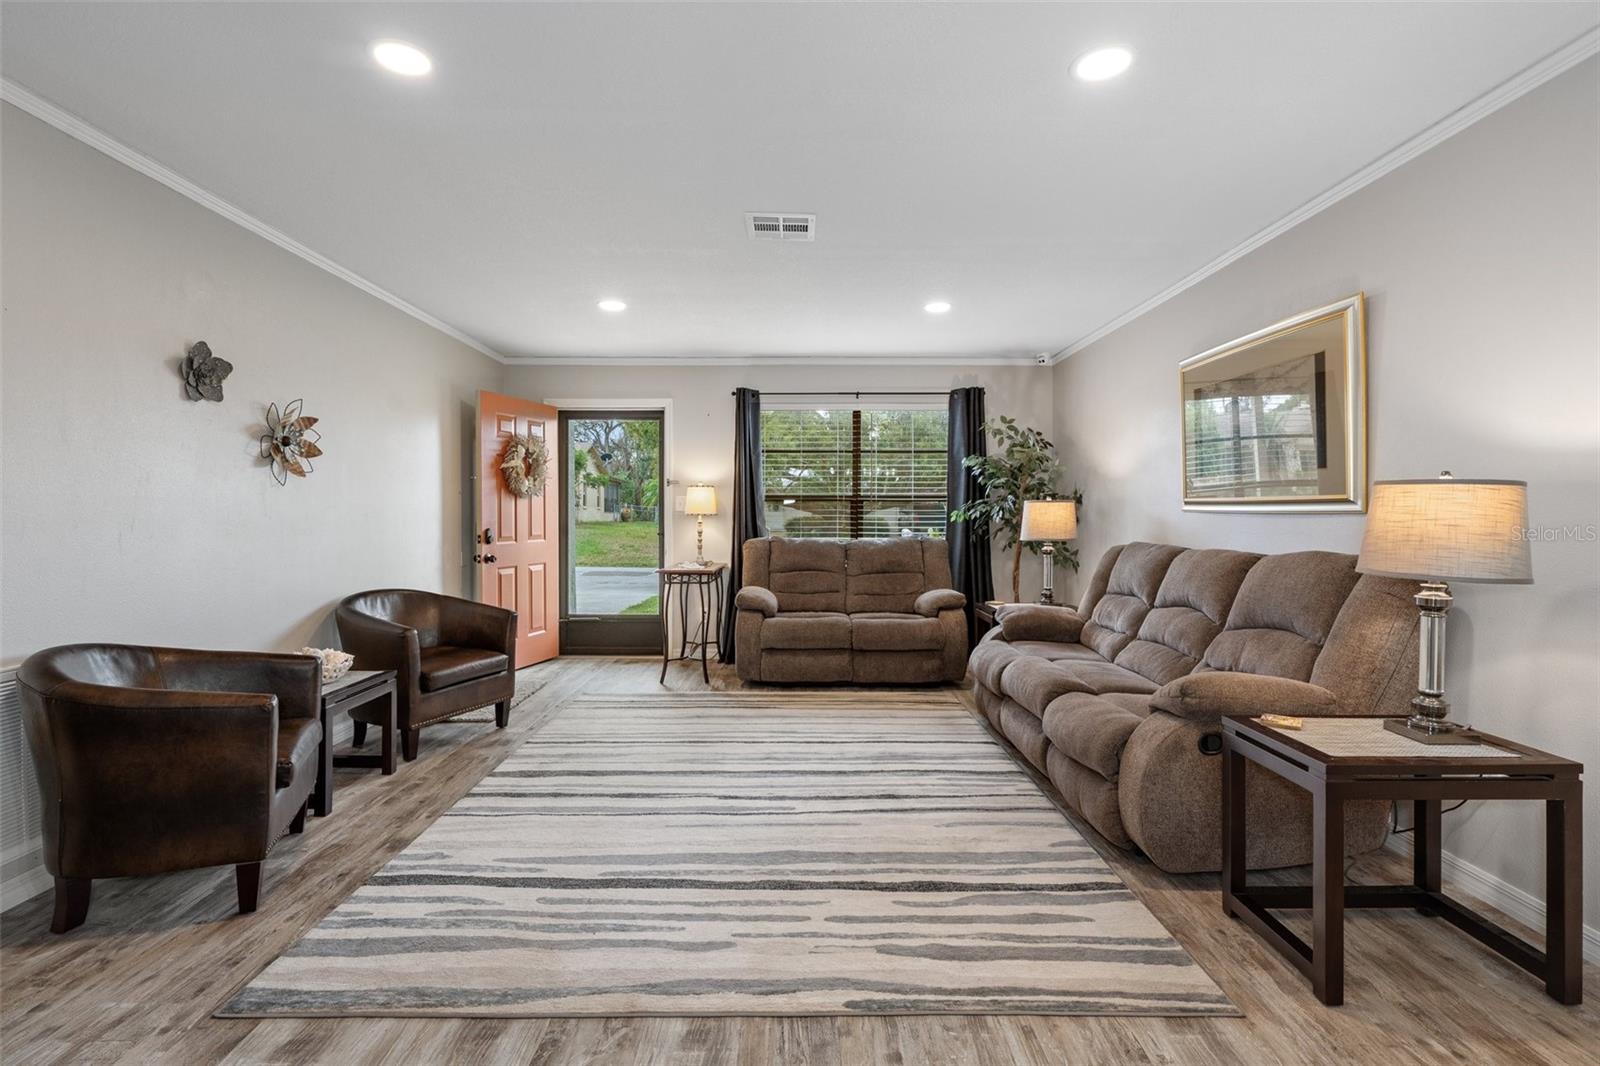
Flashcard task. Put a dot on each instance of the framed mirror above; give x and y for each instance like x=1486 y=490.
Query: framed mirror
x=1276 y=421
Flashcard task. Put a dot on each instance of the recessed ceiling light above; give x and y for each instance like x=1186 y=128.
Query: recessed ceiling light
x=936 y=307
x=613 y=306
x=1102 y=63
x=402 y=58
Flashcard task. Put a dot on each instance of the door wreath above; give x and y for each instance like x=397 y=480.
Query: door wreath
x=523 y=464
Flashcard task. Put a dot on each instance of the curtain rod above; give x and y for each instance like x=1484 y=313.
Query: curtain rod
x=855 y=393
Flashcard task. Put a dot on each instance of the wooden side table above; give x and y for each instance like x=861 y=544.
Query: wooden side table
x=708 y=579
x=983 y=616
x=352 y=690
x=1342 y=759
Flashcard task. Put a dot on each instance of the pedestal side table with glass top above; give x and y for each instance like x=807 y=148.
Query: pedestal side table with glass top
x=1338 y=760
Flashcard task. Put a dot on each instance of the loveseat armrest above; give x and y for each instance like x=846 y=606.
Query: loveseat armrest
x=933 y=601
x=470 y=624
x=295 y=679
x=1039 y=621
x=756 y=598
x=379 y=644
x=1212 y=694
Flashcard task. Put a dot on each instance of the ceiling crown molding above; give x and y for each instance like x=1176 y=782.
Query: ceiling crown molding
x=1557 y=62
x=73 y=126
x=800 y=359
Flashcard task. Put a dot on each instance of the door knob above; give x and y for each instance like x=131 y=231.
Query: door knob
x=489 y=559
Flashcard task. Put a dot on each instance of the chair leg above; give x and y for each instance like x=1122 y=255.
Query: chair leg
x=408 y=744
x=502 y=714
x=72 y=903
x=298 y=825
x=360 y=736
x=248 y=876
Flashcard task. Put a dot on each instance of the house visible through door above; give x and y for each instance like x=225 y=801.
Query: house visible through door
x=612 y=525
x=517 y=549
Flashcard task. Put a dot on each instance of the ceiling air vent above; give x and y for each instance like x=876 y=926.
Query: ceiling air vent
x=778 y=226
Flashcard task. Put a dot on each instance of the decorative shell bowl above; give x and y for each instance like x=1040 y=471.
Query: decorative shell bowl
x=335 y=663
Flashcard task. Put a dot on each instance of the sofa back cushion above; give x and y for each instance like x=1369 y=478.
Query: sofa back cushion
x=1189 y=611
x=1283 y=614
x=805 y=575
x=1369 y=661
x=1130 y=592
x=883 y=575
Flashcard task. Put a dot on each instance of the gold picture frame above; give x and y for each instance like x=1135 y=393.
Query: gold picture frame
x=1276 y=421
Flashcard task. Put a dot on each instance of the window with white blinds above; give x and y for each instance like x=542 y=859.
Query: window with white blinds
x=854 y=473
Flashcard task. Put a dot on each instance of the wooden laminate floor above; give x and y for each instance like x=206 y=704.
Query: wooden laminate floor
x=139 y=981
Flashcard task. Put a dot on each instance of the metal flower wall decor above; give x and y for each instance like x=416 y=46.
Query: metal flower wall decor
x=289 y=441
x=203 y=373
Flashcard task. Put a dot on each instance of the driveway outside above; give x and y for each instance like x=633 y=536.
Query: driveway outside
x=612 y=589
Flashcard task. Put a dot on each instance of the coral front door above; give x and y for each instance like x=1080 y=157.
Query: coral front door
x=518 y=551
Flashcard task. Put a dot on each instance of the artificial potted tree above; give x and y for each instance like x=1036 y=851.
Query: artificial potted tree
x=1021 y=466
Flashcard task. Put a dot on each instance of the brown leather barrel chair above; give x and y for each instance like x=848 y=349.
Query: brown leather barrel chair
x=151 y=760
x=450 y=656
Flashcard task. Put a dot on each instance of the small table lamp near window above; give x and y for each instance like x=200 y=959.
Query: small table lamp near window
x=700 y=501
x=1436 y=530
x=1049 y=521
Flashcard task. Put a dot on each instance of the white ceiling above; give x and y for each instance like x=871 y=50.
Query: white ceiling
x=563 y=153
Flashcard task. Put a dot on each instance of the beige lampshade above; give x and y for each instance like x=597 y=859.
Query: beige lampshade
x=1049 y=520
x=1448 y=529
x=700 y=499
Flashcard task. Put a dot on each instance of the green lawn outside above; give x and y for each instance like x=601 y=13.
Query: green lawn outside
x=618 y=544
x=650 y=606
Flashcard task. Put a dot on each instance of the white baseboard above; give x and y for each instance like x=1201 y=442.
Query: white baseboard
x=1525 y=907
x=24 y=886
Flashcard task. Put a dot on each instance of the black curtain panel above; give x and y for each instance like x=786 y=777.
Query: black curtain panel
x=749 y=511
x=970 y=566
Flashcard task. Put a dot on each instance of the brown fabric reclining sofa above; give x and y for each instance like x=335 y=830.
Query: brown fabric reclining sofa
x=1118 y=701
x=868 y=611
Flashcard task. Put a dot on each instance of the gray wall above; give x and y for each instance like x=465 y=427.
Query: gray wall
x=701 y=444
x=132 y=514
x=1479 y=261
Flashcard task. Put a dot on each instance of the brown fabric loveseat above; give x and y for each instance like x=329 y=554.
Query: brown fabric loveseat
x=1118 y=700
x=867 y=611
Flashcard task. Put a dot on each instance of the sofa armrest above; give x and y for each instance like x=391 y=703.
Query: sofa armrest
x=1038 y=621
x=1212 y=694
x=933 y=601
x=756 y=598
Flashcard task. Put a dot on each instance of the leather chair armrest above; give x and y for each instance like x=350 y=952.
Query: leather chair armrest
x=190 y=762
x=756 y=598
x=1212 y=694
x=470 y=624
x=933 y=601
x=295 y=679
x=379 y=644
x=1039 y=621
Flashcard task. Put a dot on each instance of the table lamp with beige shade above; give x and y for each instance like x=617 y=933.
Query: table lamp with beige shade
x=1048 y=521
x=700 y=500
x=1437 y=530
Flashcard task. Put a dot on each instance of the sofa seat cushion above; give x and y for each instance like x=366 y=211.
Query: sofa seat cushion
x=1092 y=730
x=298 y=740
x=1033 y=682
x=1055 y=650
x=989 y=661
x=806 y=629
x=891 y=631
x=445 y=665
x=1106 y=677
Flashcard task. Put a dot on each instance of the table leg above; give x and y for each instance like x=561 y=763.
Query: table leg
x=666 y=637
x=683 y=621
x=705 y=629
x=322 y=793
x=1233 y=822
x=1563 y=889
x=1327 y=896
x=391 y=726
x=1425 y=848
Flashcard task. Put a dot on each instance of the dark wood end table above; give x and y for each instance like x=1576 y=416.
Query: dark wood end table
x=983 y=618
x=354 y=689
x=1342 y=759
x=708 y=579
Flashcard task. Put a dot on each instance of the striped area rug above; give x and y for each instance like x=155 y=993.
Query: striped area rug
x=743 y=853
